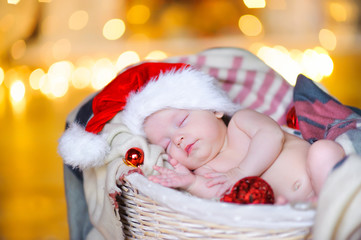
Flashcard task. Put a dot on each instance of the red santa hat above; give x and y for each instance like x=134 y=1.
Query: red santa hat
x=139 y=92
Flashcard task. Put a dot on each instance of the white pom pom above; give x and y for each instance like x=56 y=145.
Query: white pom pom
x=82 y=149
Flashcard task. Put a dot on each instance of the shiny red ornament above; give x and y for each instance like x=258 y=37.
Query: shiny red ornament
x=291 y=119
x=250 y=190
x=134 y=157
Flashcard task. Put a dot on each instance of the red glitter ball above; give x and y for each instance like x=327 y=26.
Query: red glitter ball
x=134 y=157
x=250 y=190
x=291 y=118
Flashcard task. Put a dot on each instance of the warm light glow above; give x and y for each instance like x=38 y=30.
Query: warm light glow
x=138 y=14
x=62 y=68
x=81 y=78
x=45 y=84
x=17 y=91
x=103 y=73
x=125 y=59
x=18 y=49
x=61 y=49
x=156 y=55
x=59 y=86
x=279 y=59
x=2 y=76
x=250 y=25
x=255 y=3
x=338 y=12
x=327 y=39
x=314 y=63
x=34 y=78
x=13 y=1
x=113 y=29
x=78 y=20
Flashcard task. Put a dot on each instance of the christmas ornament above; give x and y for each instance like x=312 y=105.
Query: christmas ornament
x=134 y=157
x=291 y=118
x=250 y=190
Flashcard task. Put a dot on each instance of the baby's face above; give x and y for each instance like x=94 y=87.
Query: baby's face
x=192 y=137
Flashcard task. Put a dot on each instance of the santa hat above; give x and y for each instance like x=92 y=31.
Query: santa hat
x=139 y=92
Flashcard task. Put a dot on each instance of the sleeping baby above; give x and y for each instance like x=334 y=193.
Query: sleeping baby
x=209 y=158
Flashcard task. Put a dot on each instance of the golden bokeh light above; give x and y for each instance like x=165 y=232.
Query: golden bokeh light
x=338 y=11
x=314 y=63
x=156 y=55
x=125 y=59
x=103 y=72
x=62 y=68
x=78 y=20
x=45 y=85
x=255 y=3
x=13 y=1
x=17 y=91
x=138 y=14
x=113 y=29
x=250 y=25
x=81 y=77
x=35 y=77
x=18 y=49
x=58 y=86
x=327 y=39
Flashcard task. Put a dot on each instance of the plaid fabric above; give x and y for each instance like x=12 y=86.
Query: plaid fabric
x=321 y=116
x=246 y=79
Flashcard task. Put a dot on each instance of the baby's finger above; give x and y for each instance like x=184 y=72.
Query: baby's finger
x=161 y=170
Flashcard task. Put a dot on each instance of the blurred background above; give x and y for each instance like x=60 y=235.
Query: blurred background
x=53 y=53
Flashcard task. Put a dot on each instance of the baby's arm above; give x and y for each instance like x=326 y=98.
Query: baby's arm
x=266 y=143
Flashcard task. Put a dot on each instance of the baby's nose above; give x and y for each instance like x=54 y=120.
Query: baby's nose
x=179 y=141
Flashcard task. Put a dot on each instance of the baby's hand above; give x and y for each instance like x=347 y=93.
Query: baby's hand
x=180 y=177
x=226 y=180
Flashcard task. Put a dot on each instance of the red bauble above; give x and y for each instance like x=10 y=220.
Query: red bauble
x=291 y=118
x=134 y=157
x=250 y=190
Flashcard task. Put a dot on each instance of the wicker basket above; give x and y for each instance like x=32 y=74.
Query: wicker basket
x=144 y=218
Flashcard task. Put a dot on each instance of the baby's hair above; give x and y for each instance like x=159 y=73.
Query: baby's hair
x=226 y=119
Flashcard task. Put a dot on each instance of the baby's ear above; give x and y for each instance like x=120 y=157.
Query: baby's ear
x=219 y=114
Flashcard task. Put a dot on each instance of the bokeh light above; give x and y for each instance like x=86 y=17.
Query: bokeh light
x=125 y=59
x=327 y=39
x=156 y=55
x=250 y=25
x=338 y=11
x=78 y=20
x=81 y=77
x=255 y=3
x=113 y=29
x=103 y=72
x=17 y=91
x=35 y=77
x=138 y=14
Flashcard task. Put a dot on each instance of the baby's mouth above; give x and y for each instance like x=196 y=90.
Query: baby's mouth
x=189 y=148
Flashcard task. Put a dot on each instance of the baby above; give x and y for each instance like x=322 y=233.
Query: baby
x=209 y=158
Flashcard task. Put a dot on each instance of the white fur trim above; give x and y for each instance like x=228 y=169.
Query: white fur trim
x=82 y=149
x=183 y=89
